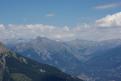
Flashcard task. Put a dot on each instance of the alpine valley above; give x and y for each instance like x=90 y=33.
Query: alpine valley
x=87 y=60
x=60 y=40
x=14 y=67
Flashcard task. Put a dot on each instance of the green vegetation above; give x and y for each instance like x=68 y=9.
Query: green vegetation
x=19 y=68
x=20 y=77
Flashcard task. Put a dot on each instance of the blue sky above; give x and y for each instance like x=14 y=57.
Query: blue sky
x=56 y=12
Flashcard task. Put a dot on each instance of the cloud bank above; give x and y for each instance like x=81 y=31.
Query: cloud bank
x=105 y=28
x=110 y=21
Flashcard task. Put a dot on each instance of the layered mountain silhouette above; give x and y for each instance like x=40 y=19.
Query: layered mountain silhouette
x=89 y=60
x=106 y=66
x=15 y=67
x=50 y=52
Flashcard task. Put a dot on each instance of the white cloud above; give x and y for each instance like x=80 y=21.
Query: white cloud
x=106 y=28
x=50 y=15
x=110 y=20
x=107 y=6
x=2 y=27
x=31 y=31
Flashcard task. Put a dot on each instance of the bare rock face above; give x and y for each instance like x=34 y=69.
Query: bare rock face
x=2 y=60
x=14 y=67
x=2 y=48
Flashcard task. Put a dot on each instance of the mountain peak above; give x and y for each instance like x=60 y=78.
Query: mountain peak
x=2 y=48
x=18 y=68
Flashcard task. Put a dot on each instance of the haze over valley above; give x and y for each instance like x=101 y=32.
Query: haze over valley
x=60 y=40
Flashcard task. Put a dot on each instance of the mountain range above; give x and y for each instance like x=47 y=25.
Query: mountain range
x=106 y=66
x=82 y=58
x=14 y=67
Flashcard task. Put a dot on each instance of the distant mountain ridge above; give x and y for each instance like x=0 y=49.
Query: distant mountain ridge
x=49 y=52
x=15 y=67
x=106 y=66
x=75 y=57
